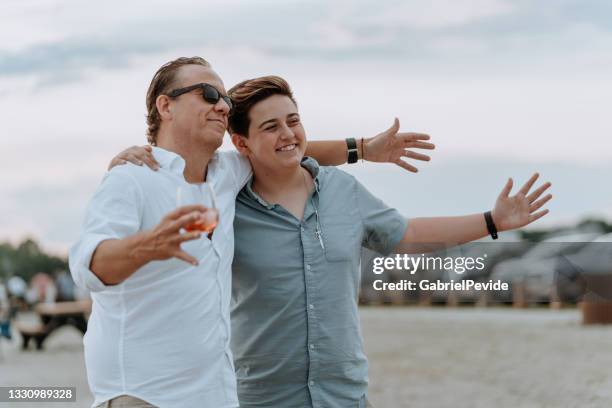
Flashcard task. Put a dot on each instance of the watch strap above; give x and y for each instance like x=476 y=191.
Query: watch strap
x=353 y=153
x=490 y=225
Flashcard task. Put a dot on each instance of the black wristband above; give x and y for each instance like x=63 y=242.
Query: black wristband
x=490 y=224
x=351 y=146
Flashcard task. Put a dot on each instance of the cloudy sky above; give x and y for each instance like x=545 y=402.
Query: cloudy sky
x=505 y=87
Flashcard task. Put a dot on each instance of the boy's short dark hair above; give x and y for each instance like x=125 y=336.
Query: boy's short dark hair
x=247 y=93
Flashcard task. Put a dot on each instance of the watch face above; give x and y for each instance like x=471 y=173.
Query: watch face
x=351 y=145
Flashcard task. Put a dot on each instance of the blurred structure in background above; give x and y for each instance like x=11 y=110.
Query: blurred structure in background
x=570 y=268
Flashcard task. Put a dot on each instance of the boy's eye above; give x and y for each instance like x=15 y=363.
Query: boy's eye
x=270 y=127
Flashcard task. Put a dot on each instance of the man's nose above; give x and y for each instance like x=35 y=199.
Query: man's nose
x=222 y=106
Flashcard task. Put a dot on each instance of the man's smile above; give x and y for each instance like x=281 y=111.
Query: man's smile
x=221 y=121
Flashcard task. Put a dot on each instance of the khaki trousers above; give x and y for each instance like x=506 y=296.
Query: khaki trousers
x=125 y=401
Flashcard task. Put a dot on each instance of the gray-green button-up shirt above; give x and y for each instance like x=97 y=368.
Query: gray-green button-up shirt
x=296 y=336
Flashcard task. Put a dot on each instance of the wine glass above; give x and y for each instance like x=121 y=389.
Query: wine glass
x=201 y=194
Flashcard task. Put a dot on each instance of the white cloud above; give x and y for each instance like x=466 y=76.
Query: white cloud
x=435 y=14
x=33 y=22
x=27 y=23
x=466 y=35
x=334 y=35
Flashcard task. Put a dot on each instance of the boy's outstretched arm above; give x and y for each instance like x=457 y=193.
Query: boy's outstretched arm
x=390 y=146
x=509 y=212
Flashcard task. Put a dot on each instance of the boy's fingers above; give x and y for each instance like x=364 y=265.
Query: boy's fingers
x=537 y=215
x=538 y=192
x=406 y=166
x=537 y=204
x=507 y=188
x=416 y=156
x=527 y=186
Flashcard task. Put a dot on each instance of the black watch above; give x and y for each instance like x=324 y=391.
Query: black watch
x=353 y=153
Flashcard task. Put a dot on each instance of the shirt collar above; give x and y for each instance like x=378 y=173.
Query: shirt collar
x=312 y=166
x=308 y=163
x=169 y=160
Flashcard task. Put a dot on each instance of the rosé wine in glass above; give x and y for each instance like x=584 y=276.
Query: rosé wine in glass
x=203 y=194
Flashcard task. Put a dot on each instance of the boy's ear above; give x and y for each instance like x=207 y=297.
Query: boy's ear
x=240 y=142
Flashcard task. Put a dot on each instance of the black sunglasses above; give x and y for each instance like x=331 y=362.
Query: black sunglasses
x=209 y=93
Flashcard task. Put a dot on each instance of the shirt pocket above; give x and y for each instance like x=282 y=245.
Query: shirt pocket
x=342 y=241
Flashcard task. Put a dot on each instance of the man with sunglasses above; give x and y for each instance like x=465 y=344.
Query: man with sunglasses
x=209 y=93
x=159 y=330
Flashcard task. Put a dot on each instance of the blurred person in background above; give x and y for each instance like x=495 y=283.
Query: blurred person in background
x=17 y=288
x=65 y=286
x=5 y=313
x=42 y=289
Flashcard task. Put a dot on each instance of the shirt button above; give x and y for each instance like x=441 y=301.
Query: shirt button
x=311 y=383
x=302 y=229
x=312 y=346
x=308 y=267
x=311 y=306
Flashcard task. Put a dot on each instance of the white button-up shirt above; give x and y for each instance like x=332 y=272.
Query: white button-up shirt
x=162 y=335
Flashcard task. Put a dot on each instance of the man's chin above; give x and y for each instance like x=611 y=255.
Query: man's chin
x=214 y=140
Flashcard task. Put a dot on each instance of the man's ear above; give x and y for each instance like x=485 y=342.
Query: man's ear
x=241 y=144
x=163 y=107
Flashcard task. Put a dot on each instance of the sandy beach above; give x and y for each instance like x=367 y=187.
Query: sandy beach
x=486 y=358
x=419 y=357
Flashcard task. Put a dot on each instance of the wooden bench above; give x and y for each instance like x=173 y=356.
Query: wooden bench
x=52 y=317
